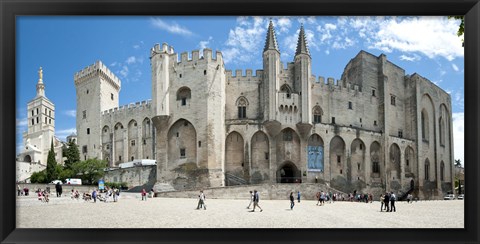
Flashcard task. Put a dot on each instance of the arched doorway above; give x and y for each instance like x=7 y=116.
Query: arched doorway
x=27 y=159
x=288 y=173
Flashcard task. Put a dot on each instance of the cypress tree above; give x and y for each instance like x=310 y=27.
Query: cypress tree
x=51 y=164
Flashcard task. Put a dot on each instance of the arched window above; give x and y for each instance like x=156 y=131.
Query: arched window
x=441 y=125
x=424 y=125
x=317 y=114
x=286 y=89
x=427 y=169
x=242 y=104
x=183 y=94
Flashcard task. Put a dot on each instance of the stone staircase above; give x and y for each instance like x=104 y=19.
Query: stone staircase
x=233 y=180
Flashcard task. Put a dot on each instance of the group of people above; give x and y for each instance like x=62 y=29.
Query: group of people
x=255 y=199
x=22 y=192
x=388 y=202
x=143 y=193
x=43 y=195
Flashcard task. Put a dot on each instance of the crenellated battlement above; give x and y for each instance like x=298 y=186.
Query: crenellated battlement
x=332 y=85
x=97 y=69
x=239 y=74
x=194 y=56
x=129 y=107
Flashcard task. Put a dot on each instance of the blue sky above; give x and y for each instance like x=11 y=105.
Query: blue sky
x=65 y=45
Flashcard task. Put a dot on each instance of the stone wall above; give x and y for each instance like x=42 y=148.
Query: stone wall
x=134 y=176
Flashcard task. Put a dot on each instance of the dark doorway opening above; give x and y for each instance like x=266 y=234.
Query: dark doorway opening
x=289 y=173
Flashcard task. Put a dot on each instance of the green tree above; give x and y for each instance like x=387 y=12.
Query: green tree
x=72 y=154
x=90 y=170
x=51 y=164
x=39 y=177
x=458 y=163
x=461 y=27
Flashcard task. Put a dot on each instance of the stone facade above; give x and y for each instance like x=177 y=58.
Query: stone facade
x=374 y=129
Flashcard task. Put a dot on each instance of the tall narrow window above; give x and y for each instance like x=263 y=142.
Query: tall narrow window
x=111 y=96
x=84 y=113
x=242 y=104
x=424 y=121
x=350 y=105
x=88 y=131
x=373 y=92
x=182 y=152
x=376 y=167
x=33 y=121
x=317 y=115
x=287 y=135
x=392 y=100
x=427 y=170
x=333 y=120
x=339 y=159
x=184 y=101
x=442 y=171
x=287 y=90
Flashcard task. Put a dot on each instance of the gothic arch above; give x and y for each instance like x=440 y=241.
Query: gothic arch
x=242 y=105
x=317 y=114
x=315 y=153
x=106 y=143
x=27 y=159
x=410 y=162
x=182 y=147
x=427 y=170
x=337 y=156
x=376 y=156
x=234 y=154
x=427 y=119
x=260 y=151
x=147 y=138
x=118 y=135
x=288 y=172
x=394 y=162
x=356 y=165
x=133 y=140
x=288 y=146
x=285 y=88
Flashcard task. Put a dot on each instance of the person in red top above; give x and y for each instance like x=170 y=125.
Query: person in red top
x=144 y=194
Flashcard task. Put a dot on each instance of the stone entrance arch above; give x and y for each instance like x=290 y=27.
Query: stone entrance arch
x=27 y=158
x=288 y=173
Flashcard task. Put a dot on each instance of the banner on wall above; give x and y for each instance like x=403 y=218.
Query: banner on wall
x=315 y=158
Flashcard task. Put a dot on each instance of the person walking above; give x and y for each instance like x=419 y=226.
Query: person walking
x=144 y=194
x=256 y=199
x=298 y=196
x=201 y=201
x=251 y=200
x=58 y=189
x=392 y=202
x=292 y=201
x=19 y=191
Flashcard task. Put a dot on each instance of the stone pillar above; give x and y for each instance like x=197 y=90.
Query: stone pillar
x=368 y=166
x=140 y=141
x=125 y=145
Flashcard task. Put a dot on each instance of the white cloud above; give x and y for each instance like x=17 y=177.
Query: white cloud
x=411 y=58
x=248 y=36
x=124 y=71
x=455 y=67
x=170 y=27
x=70 y=113
x=21 y=122
x=204 y=44
x=283 y=24
x=458 y=136
x=62 y=134
x=431 y=36
x=131 y=60
x=113 y=64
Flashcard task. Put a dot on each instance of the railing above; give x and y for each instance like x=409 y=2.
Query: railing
x=232 y=180
x=289 y=179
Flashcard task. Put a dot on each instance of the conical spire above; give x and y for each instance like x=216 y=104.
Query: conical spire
x=40 y=85
x=302 y=46
x=271 y=41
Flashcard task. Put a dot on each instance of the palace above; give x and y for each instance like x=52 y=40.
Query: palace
x=374 y=129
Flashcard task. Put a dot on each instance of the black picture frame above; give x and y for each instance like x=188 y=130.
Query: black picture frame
x=9 y=9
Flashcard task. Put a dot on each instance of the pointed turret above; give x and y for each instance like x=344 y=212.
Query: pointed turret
x=40 y=85
x=271 y=40
x=302 y=47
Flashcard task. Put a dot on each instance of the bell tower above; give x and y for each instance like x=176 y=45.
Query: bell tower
x=271 y=71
